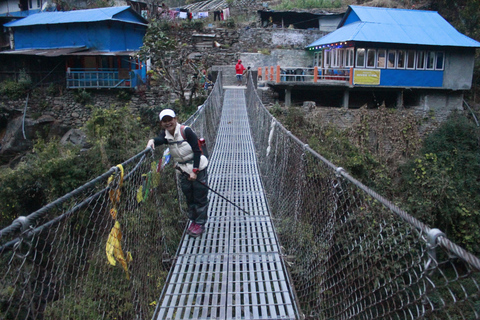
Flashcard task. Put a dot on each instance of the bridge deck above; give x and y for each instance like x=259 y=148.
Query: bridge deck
x=234 y=270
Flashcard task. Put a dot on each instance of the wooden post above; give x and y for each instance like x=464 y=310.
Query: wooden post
x=315 y=74
x=271 y=73
x=278 y=74
x=266 y=73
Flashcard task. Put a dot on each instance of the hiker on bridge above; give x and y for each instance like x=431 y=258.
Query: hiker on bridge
x=186 y=152
x=239 y=72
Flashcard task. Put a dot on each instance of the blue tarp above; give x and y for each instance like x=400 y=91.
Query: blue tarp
x=401 y=26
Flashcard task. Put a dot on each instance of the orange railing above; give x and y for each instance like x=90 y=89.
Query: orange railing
x=279 y=74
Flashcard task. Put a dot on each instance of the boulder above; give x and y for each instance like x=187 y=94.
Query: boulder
x=308 y=106
x=76 y=137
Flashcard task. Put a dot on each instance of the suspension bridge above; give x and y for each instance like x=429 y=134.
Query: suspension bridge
x=304 y=240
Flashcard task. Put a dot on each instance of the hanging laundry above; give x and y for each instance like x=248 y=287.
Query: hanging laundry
x=182 y=15
x=203 y=14
x=226 y=13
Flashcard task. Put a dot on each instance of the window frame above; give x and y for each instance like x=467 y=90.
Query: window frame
x=398 y=59
x=407 y=60
x=327 y=58
x=384 y=58
x=374 y=60
x=357 y=58
x=436 y=60
x=394 y=52
x=349 y=60
x=427 y=60
x=420 y=53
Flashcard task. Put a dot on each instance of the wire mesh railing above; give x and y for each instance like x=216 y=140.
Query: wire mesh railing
x=102 y=251
x=351 y=253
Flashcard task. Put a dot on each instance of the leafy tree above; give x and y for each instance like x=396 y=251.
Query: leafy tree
x=169 y=57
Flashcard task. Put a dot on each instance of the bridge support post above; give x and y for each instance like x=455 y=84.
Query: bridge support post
x=288 y=97
x=346 y=98
x=400 y=100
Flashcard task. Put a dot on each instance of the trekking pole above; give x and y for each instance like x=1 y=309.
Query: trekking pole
x=221 y=196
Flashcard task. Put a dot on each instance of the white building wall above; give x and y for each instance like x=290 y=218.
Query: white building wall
x=459 y=66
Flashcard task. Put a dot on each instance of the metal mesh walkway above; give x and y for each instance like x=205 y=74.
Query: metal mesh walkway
x=234 y=270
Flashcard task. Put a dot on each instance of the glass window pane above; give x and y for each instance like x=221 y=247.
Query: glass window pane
x=411 y=59
x=350 y=58
x=360 y=57
x=341 y=60
x=327 y=58
x=381 y=58
x=392 y=55
x=439 y=64
x=371 y=58
x=420 y=59
x=430 y=59
x=401 y=59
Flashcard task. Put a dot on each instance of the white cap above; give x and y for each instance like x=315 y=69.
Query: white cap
x=167 y=112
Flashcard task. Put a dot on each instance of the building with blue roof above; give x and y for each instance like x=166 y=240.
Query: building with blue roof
x=97 y=45
x=405 y=56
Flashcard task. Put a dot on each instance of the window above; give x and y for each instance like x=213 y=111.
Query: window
x=392 y=56
x=334 y=57
x=327 y=58
x=341 y=57
x=421 y=60
x=381 y=58
x=360 y=57
x=430 y=63
x=401 y=59
x=39 y=4
x=349 y=62
x=439 y=64
x=317 y=61
x=371 y=58
x=411 y=59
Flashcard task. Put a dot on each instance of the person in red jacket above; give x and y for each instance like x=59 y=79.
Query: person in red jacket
x=239 y=71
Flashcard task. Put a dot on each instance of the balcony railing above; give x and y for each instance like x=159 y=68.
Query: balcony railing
x=279 y=74
x=99 y=78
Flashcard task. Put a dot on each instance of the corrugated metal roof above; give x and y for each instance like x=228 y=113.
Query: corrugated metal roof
x=75 y=16
x=403 y=26
x=46 y=52
x=208 y=5
x=73 y=51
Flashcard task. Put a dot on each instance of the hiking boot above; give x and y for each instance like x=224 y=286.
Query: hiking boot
x=190 y=229
x=197 y=230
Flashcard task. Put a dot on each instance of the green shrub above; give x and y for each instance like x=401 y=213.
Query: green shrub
x=115 y=134
x=48 y=173
x=54 y=89
x=124 y=95
x=82 y=96
x=14 y=90
x=440 y=186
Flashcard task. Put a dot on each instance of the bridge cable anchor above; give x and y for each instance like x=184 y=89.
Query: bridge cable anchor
x=432 y=237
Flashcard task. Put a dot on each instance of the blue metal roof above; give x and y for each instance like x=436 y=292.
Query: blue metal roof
x=403 y=26
x=80 y=16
